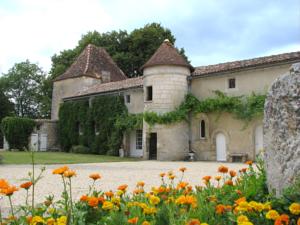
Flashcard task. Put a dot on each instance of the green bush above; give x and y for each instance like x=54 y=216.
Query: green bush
x=17 y=131
x=80 y=149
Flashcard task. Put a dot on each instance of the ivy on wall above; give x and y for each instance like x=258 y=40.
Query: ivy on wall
x=243 y=107
x=94 y=126
x=100 y=126
x=17 y=131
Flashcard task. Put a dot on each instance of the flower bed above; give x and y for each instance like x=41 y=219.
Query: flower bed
x=232 y=197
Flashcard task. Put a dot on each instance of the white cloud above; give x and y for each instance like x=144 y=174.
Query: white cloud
x=38 y=28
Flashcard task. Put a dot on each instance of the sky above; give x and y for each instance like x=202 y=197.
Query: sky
x=210 y=31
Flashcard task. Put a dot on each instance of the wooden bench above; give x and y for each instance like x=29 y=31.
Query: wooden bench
x=238 y=157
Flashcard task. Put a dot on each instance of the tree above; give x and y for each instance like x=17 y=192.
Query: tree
x=129 y=51
x=6 y=109
x=24 y=84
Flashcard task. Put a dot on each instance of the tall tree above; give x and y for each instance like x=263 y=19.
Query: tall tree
x=24 y=85
x=129 y=51
x=6 y=109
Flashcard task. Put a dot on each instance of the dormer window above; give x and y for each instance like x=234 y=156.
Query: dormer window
x=149 y=93
x=231 y=83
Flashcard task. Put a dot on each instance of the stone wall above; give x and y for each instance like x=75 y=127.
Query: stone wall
x=282 y=131
x=240 y=136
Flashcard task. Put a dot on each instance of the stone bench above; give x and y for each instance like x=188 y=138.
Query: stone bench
x=238 y=157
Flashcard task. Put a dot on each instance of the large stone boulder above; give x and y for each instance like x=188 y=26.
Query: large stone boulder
x=282 y=131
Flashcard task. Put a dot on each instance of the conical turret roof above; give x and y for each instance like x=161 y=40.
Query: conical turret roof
x=93 y=61
x=167 y=54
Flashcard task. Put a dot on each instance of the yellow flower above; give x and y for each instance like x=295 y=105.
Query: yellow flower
x=149 y=210
x=272 y=215
x=242 y=219
x=62 y=220
x=295 y=208
x=146 y=223
x=107 y=205
x=36 y=220
x=154 y=200
x=51 y=221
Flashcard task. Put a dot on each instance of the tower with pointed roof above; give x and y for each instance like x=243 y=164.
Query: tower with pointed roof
x=165 y=87
x=93 y=66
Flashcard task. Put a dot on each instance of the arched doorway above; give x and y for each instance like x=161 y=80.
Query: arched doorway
x=259 y=139
x=221 y=147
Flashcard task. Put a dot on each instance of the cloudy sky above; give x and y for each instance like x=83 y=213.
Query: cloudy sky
x=211 y=31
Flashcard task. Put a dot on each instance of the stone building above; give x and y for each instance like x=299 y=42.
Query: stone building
x=167 y=78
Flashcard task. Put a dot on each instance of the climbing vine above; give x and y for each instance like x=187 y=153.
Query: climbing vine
x=243 y=107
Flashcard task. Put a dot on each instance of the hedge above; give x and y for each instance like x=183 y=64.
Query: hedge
x=17 y=131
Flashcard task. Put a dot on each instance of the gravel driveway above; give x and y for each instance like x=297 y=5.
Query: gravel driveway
x=113 y=175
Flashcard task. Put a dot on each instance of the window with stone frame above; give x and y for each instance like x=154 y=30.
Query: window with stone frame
x=127 y=99
x=139 y=139
x=149 y=93
x=231 y=83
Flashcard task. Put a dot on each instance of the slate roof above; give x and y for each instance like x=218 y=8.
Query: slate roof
x=93 y=62
x=129 y=83
x=248 y=63
x=166 y=54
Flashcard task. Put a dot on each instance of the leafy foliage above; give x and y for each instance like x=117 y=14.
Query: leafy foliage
x=95 y=126
x=23 y=84
x=6 y=109
x=17 y=131
x=243 y=107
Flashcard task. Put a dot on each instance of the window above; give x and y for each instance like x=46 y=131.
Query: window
x=231 y=83
x=127 y=98
x=202 y=129
x=149 y=93
x=139 y=139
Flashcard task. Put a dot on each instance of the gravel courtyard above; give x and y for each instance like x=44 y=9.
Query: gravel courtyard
x=113 y=175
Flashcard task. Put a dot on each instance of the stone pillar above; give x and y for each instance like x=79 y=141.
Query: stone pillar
x=282 y=131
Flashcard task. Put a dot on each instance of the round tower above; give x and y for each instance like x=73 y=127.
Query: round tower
x=165 y=87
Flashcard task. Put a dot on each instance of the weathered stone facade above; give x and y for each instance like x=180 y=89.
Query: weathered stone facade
x=282 y=130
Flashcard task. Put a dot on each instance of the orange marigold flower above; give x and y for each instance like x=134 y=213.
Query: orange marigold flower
x=133 y=220
x=95 y=176
x=249 y=162
x=172 y=177
x=109 y=194
x=69 y=173
x=217 y=178
x=9 y=190
x=123 y=187
x=206 y=178
x=220 y=209
x=223 y=169
x=26 y=185
x=101 y=199
x=93 y=201
x=239 y=200
x=138 y=191
x=298 y=222
x=161 y=189
x=162 y=174
x=140 y=184
x=229 y=182
x=182 y=185
x=282 y=220
x=84 y=198
x=193 y=222
x=232 y=173
x=60 y=170
x=182 y=169
x=244 y=170
x=3 y=184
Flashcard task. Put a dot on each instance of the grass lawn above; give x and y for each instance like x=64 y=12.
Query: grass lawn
x=58 y=158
